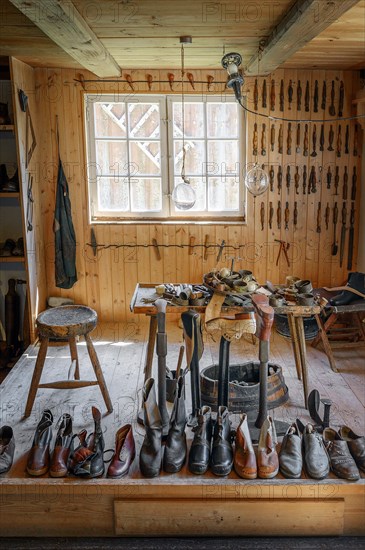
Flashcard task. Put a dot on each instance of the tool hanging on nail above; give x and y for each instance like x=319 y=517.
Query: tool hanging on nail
x=356 y=140
x=351 y=237
x=295 y=217
x=272 y=176
x=324 y=96
x=220 y=252
x=288 y=179
x=319 y=217
x=335 y=219
x=307 y=97
x=315 y=98
x=339 y=142
x=347 y=138
x=299 y=96
x=206 y=240
x=345 y=184
x=262 y=216
x=327 y=215
x=130 y=81
x=286 y=215
x=271 y=214
x=341 y=100
x=297 y=150
x=255 y=140
x=290 y=94
x=332 y=110
x=314 y=140
x=282 y=95
x=171 y=78
x=284 y=246
x=280 y=179
x=278 y=215
x=312 y=180
x=272 y=137
x=191 y=79
x=149 y=81
x=264 y=95
x=289 y=140
x=256 y=96
x=353 y=186
x=297 y=179
x=156 y=249
x=281 y=139
x=263 y=140
x=306 y=141
x=337 y=179
x=304 y=179
x=343 y=232
x=272 y=96
x=210 y=81
x=321 y=139
x=331 y=136
x=329 y=178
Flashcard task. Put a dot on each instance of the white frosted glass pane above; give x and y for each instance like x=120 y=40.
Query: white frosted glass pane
x=146 y=157
x=111 y=157
x=144 y=120
x=194 y=120
x=110 y=119
x=223 y=194
x=113 y=194
x=146 y=195
x=224 y=155
x=194 y=157
x=222 y=120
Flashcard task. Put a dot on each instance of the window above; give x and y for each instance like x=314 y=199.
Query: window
x=134 y=157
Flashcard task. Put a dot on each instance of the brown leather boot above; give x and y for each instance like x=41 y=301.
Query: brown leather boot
x=38 y=457
x=267 y=457
x=244 y=455
x=62 y=448
x=125 y=451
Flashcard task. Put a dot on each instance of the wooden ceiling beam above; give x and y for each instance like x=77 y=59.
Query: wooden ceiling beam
x=303 y=22
x=60 y=21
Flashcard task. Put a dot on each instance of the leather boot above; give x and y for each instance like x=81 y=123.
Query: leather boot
x=244 y=455
x=355 y=280
x=151 y=451
x=199 y=455
x=342 y=463
x=62 y=448
x=7 y=448
x=267 y=457
x=356 y=445
x=39 y=457
x=221 y=461
x=176 y=449
x=125 y=451
x=87 y=459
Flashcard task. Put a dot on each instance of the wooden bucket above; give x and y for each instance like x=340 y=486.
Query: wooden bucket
x=244 y=398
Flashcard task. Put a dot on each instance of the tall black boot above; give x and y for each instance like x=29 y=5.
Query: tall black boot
x=175 y=449
x=357 y=281
x=151 y=452
x=222 y=453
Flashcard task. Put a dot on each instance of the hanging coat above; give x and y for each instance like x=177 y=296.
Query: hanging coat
x=65 y=239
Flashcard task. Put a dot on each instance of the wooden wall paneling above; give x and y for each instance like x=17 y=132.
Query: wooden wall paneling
x=105 y=277
x=157 y=266
x=117 y=272
x=194 y=255
x=130 y=266
x=182 y=264
x=169 y=238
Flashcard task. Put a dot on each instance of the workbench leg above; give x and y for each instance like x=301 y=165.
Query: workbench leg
x=330 y=321
x=326 y=345
x=295 y=344
x=150 y=347
x=361 y=324
x=303 y=355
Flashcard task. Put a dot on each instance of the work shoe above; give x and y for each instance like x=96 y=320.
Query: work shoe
x=290 y=455
x=39 y=455
x=87 y=459
x=7 y=448
x=245 y=464
x=342 y=463
x=176 y=448
x=355 y=280
x=356 y=445
x=125 y=451
x=19 y=248
x=199 y=455
x=151 y=452
x=267 y=456
x=221 y=460
x=315 y=458
x=7 y=249
x=62 y=448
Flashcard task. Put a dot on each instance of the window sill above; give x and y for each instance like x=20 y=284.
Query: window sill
x=174 y=221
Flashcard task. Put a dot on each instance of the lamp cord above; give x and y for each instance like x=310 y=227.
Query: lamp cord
x=183 y=113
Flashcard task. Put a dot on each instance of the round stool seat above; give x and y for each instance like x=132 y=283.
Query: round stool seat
x=66 y=321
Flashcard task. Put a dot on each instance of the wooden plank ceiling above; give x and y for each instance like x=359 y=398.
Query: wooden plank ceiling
x=145 y=34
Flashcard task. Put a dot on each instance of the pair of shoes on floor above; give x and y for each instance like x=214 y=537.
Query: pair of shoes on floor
x=174 y=456
x=12 y=248
x=346 y=451
x=211 y=444
x=7 y=448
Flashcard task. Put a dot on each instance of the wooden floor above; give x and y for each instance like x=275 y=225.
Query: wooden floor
x=121 y=350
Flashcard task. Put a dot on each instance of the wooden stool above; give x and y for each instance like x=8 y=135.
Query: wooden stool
x=67 y=322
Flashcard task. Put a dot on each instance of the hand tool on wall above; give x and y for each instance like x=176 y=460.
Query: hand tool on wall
x=351 y=237
x=191 y=245
x=262 y=216
x=156 y=249
x=312 y=181
x=314 y=141
x=345 y=184
x=191 y=321
x=93 y=242
x=335 y=219
x=295 y=218
x=206 y=240
x=263 y=140
x=272 y=96
x=220 y=251
x=327 y=215
x=341 y=99
x=339 y=142
x=329 y=177
x=356 y=140
x=30 y=202
x=290 y=94
x=289 y=140
x=282 y=95
x=307 y=97
x=256 y=95
x=161 y=349
x=319 y=217
x=297 y=179
x=280 y=179
x=332 y=110
x=304 y=179
x=297 y=150
x=286 y=215
x=272 y=137
x=315 y=98
x=306 y=141
x=149 y=79
x=271 y=176
x=271 y=214
x=171 y=78
x=278 y=215
x=255 y=140
x=264 y=95
x=331 y=136
x=210 y=81
x=337 y=179
x=343 y=232
x=299 y=96
x=321 y=139
x=288 y=179
x=281 y=139
x=284 y=246
x=191 y=79
x=347 y=139
x=324 y=95
x=353 y=186
x=130 y=82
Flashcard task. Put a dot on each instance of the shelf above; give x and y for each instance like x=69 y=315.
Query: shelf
x=10 y=195
x=6 y=127
x=12 y=259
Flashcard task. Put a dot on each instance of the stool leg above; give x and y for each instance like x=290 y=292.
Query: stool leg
x=36 y=376
x=74 y=356
x=98 y=372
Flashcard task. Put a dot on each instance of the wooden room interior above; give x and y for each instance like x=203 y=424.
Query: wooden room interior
x=309 y=143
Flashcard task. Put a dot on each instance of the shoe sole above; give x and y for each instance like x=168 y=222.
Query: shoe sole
x=267 y=476
x=289 y=475
x=37 y=472
x=198 y=470
x=173 y=470
x=221 y=473
x=58 y=474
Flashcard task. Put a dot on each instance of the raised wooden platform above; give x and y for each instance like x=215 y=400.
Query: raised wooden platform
x=178 y=504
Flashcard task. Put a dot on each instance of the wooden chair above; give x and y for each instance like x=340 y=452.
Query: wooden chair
x=67 y=322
